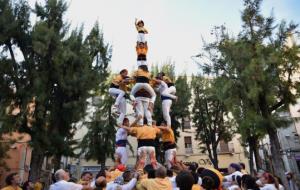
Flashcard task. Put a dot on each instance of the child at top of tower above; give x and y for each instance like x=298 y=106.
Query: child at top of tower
x=139 y=24
x=141 y=50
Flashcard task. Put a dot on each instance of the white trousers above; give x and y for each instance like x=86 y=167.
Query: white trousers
x=141 y=37
x=147 y=87
x=142 y=109
x=122 y=110
x=166 y=106
x=139 y=63
x=122 y=154
x=115 y=92
x=149 y=152
x=169 y=92
x=170 y=156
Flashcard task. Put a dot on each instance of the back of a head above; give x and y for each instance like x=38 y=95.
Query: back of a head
x=185 y=180
x=144 y=68
x=151 y=174
x=9 y=178
x=161 y=172
x=58 y=174
x=127 y=176
x=148 y=167
x=210 y=180
x=248 y=182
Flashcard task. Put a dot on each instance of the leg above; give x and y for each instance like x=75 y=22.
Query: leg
x=122 y=110
x=170 y=157
x=149 y=89
x=147 y=112
x=140 y=111
x=116 y=92
x=135 y=88
x=153 y=161
x=142 y=156
x=124 y=156
x=166 y=105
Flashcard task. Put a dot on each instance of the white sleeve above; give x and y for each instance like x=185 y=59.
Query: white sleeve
x=228 y=178
x=130 y=185
x=75 y=186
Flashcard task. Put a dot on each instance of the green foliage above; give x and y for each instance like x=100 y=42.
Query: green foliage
x=59 y=68
x=210 y=117
x=256 y=71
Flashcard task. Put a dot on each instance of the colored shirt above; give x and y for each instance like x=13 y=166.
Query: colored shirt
x=142 y=73
x=141 y=50
x=168 y=135
x=64 y=185
x=11 y=188
x=156 y=184
x=196 y=187
x=144 y=132
x=38 y=186
x=167 y=79
x=117 y=80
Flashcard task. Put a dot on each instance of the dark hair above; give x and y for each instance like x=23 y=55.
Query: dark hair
x=210 y=180
x=161 y=172
x=195 y=176
x=243 y=166
x=26 y=185
x=148 y=167
x=144 y=68
x=125 y=119
x=248 y=182
x=101 y=173
x=84 y=173
x=199 y=170
x=126 y=175
x=193 y=167
x=151 y=174
x=169 y=173
x=141 y=22
x=123 y=70
x=235 y=166
x=9 y=178
x=208 y=183
x=185 y=180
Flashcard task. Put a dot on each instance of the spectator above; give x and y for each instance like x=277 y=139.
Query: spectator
x=243 y=168
x=160 y=182
x=185 y=180
x=269 y=182
x=86 y=178
x=62 y=178
x=28 y=185
x=211 y=179
x=12 y=182
x=38 y=184
x=291 y=181
x=124 y=182
x=248 y=182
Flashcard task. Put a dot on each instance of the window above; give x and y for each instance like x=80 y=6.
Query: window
x=188 y=145
x=223 y=147
x=186 y=123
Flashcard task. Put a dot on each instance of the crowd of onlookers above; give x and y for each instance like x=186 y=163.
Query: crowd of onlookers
x=179 y=177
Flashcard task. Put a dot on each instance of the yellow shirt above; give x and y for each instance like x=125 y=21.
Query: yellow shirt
x=141 y=51
x=142 y=73
x=38 y=186
x=11 y=188
x=196 y=187
x=168 y=135
x=117 y=80
x=219 y=175
x=141 y=29
x=156 y=184
x=144 y=132
x=167 y=79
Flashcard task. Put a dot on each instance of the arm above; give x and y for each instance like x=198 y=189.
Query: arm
x=164 y=128
x=130 y=185
x=125 y=127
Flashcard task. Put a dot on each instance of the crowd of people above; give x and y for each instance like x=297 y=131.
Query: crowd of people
x=178 y=177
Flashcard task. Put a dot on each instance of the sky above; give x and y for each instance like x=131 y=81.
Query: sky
x=176 y=27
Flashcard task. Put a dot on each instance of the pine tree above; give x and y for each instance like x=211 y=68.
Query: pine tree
x=210 y=117
x=58 y=71
x=257 y=69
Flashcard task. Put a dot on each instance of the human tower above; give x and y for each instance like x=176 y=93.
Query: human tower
x=143 y=95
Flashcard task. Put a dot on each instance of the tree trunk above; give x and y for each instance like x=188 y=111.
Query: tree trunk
x=215 y=160
x=258 y=160
x=36 y=165
x=276 y=158
x=56 y=162
x=251 y=162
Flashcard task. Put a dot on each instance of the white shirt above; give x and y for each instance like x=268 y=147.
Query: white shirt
x=269 y=187
x=229 y=177
x=173 y=182
x=129 y=186
x=121 y=134
x=162 y=86
x=64 y=185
